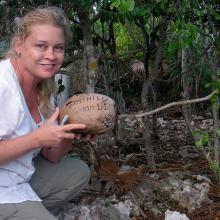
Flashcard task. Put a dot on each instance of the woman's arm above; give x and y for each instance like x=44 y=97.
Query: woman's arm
x=49 y=135
x=15 y=148
x=56 y=154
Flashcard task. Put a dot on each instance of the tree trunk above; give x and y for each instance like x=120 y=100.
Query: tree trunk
x=117 y=92
x=215 y=112
x=90 y=70
x=215 y=105
x=186 y=78
x=147 y=132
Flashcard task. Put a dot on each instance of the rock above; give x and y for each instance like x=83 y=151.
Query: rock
x=97 y=111
x=188 y=194
x=107 y=213
x=202 y=178
x=95 y=211
x=127 y=208
x=169 y=215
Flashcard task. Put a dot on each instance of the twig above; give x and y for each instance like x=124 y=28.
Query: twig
x=137 y=204
x=168 y=106
x=96 y=153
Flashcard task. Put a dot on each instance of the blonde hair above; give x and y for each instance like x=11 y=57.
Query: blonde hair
x=42 y=15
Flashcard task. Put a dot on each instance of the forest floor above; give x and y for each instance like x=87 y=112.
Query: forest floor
x=182 y=180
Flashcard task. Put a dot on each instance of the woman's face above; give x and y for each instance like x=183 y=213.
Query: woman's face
x=42 y=52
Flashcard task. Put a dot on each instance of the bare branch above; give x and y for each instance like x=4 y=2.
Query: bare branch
x=169 y=105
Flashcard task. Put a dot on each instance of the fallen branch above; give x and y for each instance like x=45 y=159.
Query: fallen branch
x=185 y=102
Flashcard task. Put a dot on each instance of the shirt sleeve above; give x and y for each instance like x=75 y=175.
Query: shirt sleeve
x=10 y=111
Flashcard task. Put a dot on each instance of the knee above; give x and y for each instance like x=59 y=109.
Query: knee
x=84 y=170
x=80 y=172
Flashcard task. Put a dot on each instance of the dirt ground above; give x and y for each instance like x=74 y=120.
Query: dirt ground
x=174 y=151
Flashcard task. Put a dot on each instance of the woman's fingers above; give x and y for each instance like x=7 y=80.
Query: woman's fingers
x=70 y=127
x=69 y=136
x=54 y=116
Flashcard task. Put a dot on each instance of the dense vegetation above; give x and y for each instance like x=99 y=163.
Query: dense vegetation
x=144 y=54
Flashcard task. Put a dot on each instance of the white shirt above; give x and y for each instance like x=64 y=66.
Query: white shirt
x=15 y=120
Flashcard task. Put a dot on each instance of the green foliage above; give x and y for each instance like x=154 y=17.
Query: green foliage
x=215 y=167
x=216 y=95
x=201 y=138
x=55 y=2
x=181 y=35
x=77 y=34
x=218 y=44
x=12 y=11
x=123 y=6
x=206 y=75
x=187 y=21
x=4 y=44
x=158 y=8
x=217 y=16
x=123 y=40
x=84 y=4
x=12 y=3
x=218 y=132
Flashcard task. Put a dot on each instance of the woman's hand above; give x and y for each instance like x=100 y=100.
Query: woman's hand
x=51 y=135
x=87 y=137
x=56 y=140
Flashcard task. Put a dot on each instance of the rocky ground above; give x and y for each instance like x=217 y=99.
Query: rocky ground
x=182 y=186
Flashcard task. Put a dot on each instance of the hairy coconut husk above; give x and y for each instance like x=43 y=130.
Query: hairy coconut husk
x=95 y=110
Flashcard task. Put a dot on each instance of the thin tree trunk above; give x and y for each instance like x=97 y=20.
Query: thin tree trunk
x=147 y=132
x=215 y=105
x=215 y=112
x=117 y=93
x=157 y=63
x=186 y=87
x=90 y=70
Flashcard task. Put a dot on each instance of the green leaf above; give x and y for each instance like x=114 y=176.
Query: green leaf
x=208 y=85
x=215 y=167
x=123 y=5
x=214 y=97
x=130 y=5
x=218 y=132
x=201 y=138
x=217 y=16
x=114 y=4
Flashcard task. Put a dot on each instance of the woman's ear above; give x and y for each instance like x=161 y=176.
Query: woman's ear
x=18 y=42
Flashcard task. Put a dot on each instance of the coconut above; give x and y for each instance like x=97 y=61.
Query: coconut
x=96 y=111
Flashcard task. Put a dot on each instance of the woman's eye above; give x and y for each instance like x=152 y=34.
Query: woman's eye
x=59 y=48
x=42 y=46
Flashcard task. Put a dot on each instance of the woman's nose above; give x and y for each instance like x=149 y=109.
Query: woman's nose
x=50 y=54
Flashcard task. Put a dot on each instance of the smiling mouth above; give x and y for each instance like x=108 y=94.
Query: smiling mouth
x=48 y=67
x=49 y=64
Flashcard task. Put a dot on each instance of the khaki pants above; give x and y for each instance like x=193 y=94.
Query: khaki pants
x=55 y=184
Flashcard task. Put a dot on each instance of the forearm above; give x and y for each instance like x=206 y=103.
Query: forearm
x=17 y=147
x=56 y=154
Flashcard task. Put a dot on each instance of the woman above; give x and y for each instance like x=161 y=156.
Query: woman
x=36 y=179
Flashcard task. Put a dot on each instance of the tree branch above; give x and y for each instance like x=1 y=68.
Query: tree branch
x=168 y=106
